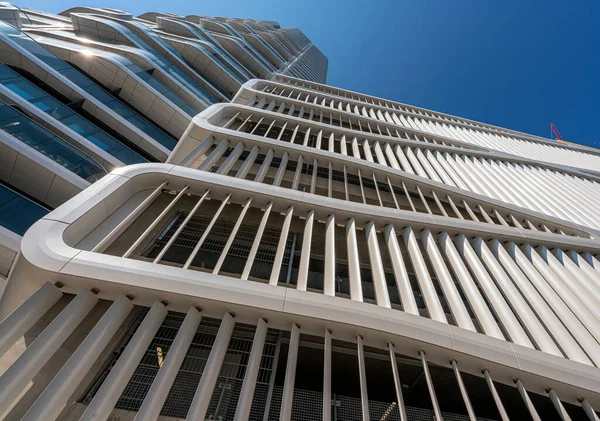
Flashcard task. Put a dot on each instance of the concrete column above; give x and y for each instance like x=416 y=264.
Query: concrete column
x=234 y=231
x=405 y=291
x=517 y=303
x=564 y=415
x=459 y=311
x=527 y=401
x=54 y=398
x=26 y=315
x=264 y=168
x=434 y=402
x=128 y=220
x=181 y=227
x=214 y=156
x=24 y=369
x=211 y=371
x=249 y=385
x=256 y=242
x=285 y=413
x=364 y=396
x=156 y=221
x=281 y=169
x=463 y=391
x=397 y=383
x=353 y=262
x=329 y=273
x=327 y=376
x=436 y=312
x=155 y=398
x=206 y=232
x=298 y=173
x=107 y=396
x=480 y=308
x=589 y=411
x=494 y=296
x=281 y=246
x=247 y=165
x=305 y=253
x=379 y=281
x=233 y=157
x=196 y=153
x=544 y=311
x=490 y=383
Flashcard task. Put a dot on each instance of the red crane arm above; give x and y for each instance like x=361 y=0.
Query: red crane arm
x=555 y=131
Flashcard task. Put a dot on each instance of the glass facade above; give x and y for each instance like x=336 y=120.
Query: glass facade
x=48 y=144
x=54 y=108
x=76 y=77
x=18 y=213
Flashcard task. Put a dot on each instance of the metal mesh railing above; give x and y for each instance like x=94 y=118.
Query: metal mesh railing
x=307 y=405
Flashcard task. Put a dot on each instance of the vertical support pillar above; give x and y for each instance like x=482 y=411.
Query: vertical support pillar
x=285 y=413
x=434 y=401
x=327 y=376
x=124 y=224
x=559 y=406
x=181 y=227
x=379 y=281
x=364 y=396
x=212 y=158
x=256 y=242
x=397 y=383
x=281 y=169
x=107 y=396
x=226 y=166
x=24 y=369
x=27 y=314
x=274 y=365
x=353 y=262
x=247 y=165
x=483 y=313
x=206 y=232
x=264 y=168
x=405 y=291
x=156 y=221
x=281 y=246
x=527 y=401
x=54 y=398
x=236 y=227
x=459 y=311
x=298 y=173
x=313 y=180
x=155 y=398
x=490 y=383
x=329 y=273
x=436 y=312
x=249 y=385
x=305 y=253
x=589 y=411
x=211 y=371
x=463 y=391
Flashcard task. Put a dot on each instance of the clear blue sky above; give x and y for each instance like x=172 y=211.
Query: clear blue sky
x=517 y=64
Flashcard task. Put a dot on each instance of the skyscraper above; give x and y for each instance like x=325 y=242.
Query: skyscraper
x=297 y=251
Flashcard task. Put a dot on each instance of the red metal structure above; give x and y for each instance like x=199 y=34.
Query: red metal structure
x=555 y=131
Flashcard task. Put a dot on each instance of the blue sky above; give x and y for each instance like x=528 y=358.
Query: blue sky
x=511 y=63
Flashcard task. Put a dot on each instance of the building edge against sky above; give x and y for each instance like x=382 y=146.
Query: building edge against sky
x=223 y=236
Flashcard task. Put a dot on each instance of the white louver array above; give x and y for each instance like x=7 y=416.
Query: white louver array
x=310 y=253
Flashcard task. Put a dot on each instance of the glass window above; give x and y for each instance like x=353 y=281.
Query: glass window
x=24 y=89
x=53 y=107
x=17 y=213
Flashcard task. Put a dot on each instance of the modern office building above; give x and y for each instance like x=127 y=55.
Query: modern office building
x=280 y=249
x=91 y=90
